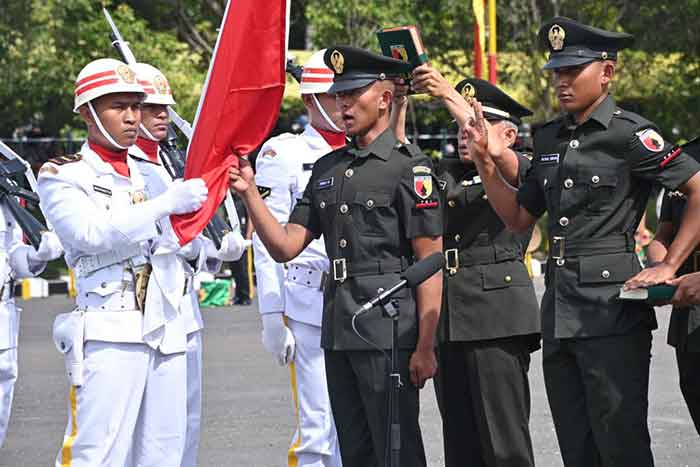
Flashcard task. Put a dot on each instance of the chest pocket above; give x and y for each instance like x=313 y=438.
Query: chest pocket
x=372 y=213
x=601 y=184
x=548 y=178
x=327 y=206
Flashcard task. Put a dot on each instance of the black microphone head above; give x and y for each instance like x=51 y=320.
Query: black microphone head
x=423 y=269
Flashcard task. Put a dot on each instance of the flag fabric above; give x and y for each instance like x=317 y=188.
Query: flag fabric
x=240 y=100
x=479 y=36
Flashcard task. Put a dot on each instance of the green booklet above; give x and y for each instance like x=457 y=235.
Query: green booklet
x=659 y=293
x=403 y=43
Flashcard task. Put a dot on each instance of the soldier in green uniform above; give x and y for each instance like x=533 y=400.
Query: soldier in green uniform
x=684 y=327
x=592 y=172
x=490 y=320
x=377 y=205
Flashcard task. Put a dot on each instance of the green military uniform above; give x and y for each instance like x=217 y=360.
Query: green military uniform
x=594 y=179
x=490 y=320
x=369 y=203
x=684 y=328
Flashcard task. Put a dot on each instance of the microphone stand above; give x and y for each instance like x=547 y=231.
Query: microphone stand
x=390 y=309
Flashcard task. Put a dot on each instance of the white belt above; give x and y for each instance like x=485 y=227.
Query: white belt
x=88 y=264
x=306 y=276
x=117 y=301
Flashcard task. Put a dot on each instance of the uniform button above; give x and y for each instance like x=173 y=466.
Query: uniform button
x=103 y=285
x=457 y=238
x=349 y=173
x=508 y=279
x=344 y=208
x=573 y=144
x=560 y=262
x=343 y=243
x=564 y=221
x=485 y=197
x=465 y=182
x=605 y=274
x=545 y=181
x=370 y=203
x=568 y=183
x=451 y=203
x=322 y=205
x=595 y=179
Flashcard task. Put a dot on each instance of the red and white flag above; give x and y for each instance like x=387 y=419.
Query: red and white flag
x=240 y=101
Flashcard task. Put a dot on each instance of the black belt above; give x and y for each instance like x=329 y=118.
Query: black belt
x=455 y=259
x=562 y=247
x=342 y=268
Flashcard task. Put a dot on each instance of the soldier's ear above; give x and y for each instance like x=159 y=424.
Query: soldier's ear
x=608 y=71
x=86 y=115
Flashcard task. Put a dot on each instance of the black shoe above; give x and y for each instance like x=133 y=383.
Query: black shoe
x=243 y=301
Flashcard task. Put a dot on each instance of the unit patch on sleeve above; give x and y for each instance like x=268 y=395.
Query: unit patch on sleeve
x=423 y=185
x=651 y=140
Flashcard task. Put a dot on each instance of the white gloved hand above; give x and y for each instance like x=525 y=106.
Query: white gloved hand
x=233 y=246
x=183 y=197
x=50 y=248
x=277 y=338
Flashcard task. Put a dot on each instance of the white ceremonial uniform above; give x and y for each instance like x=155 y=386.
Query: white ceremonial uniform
x=283 y=168
x=128 y=383
x=157 y=179
x=14 y=264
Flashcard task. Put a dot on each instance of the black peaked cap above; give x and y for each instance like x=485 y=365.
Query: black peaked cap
x=355 y=68
x=496 y=104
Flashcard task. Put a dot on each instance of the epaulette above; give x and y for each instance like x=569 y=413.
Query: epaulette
x=62 y=160
x=631 y=117
x=408 y=149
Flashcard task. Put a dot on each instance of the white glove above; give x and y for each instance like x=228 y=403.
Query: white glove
x=233 y=245
x=183 y=197
x=277 y=338
x=49 y=249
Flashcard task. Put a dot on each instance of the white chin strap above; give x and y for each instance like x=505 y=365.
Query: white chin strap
x=325 y=116
x=147 y=133
x=104 y=132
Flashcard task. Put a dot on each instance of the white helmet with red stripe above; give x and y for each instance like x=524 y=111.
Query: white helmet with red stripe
x=104 y=76
x=316 y=78
x=154 y=83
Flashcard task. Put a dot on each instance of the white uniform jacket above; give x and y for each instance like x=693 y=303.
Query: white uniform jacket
x=96 y=215
x=14 y=264
x=283 y=169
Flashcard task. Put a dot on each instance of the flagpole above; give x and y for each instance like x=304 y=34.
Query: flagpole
x=493 y=66
x=478 y=7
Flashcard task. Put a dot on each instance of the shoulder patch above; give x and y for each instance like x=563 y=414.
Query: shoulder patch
x=62 y=160
x=264 y=191
x=269 y=153
x=307 y=166
x=651 y=140
x=421 y=169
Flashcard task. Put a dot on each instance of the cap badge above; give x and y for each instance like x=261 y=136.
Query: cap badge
x=556 y=37
x=468 y=91
x=126 y=74
x=161 y=84
x=338 y=62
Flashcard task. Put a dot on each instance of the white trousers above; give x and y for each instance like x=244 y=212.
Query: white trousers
x=131 y=410
x=194 y=399
x=8 y=376
x=315 y=442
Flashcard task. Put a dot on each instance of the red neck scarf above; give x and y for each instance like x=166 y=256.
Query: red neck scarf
x=117 y=159
x=334 y=140
x=149 y=147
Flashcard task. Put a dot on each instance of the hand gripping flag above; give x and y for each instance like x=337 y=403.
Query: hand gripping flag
x=240 y=101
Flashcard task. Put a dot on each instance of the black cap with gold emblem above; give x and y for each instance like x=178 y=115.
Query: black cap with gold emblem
x=355 y=68
x=571 y=43
x=496 y=104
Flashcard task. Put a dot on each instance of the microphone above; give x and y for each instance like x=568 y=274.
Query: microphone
x=412 y=277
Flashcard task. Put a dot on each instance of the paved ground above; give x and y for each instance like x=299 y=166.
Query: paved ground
x=247 y=409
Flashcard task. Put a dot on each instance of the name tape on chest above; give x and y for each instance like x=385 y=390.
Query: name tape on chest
x=549 y=158
x=324 y=183
x=307 y=167
x=103 y=190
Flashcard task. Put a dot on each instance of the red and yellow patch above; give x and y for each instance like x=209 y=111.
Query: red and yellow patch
x=423 y=185
x=651 y=140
